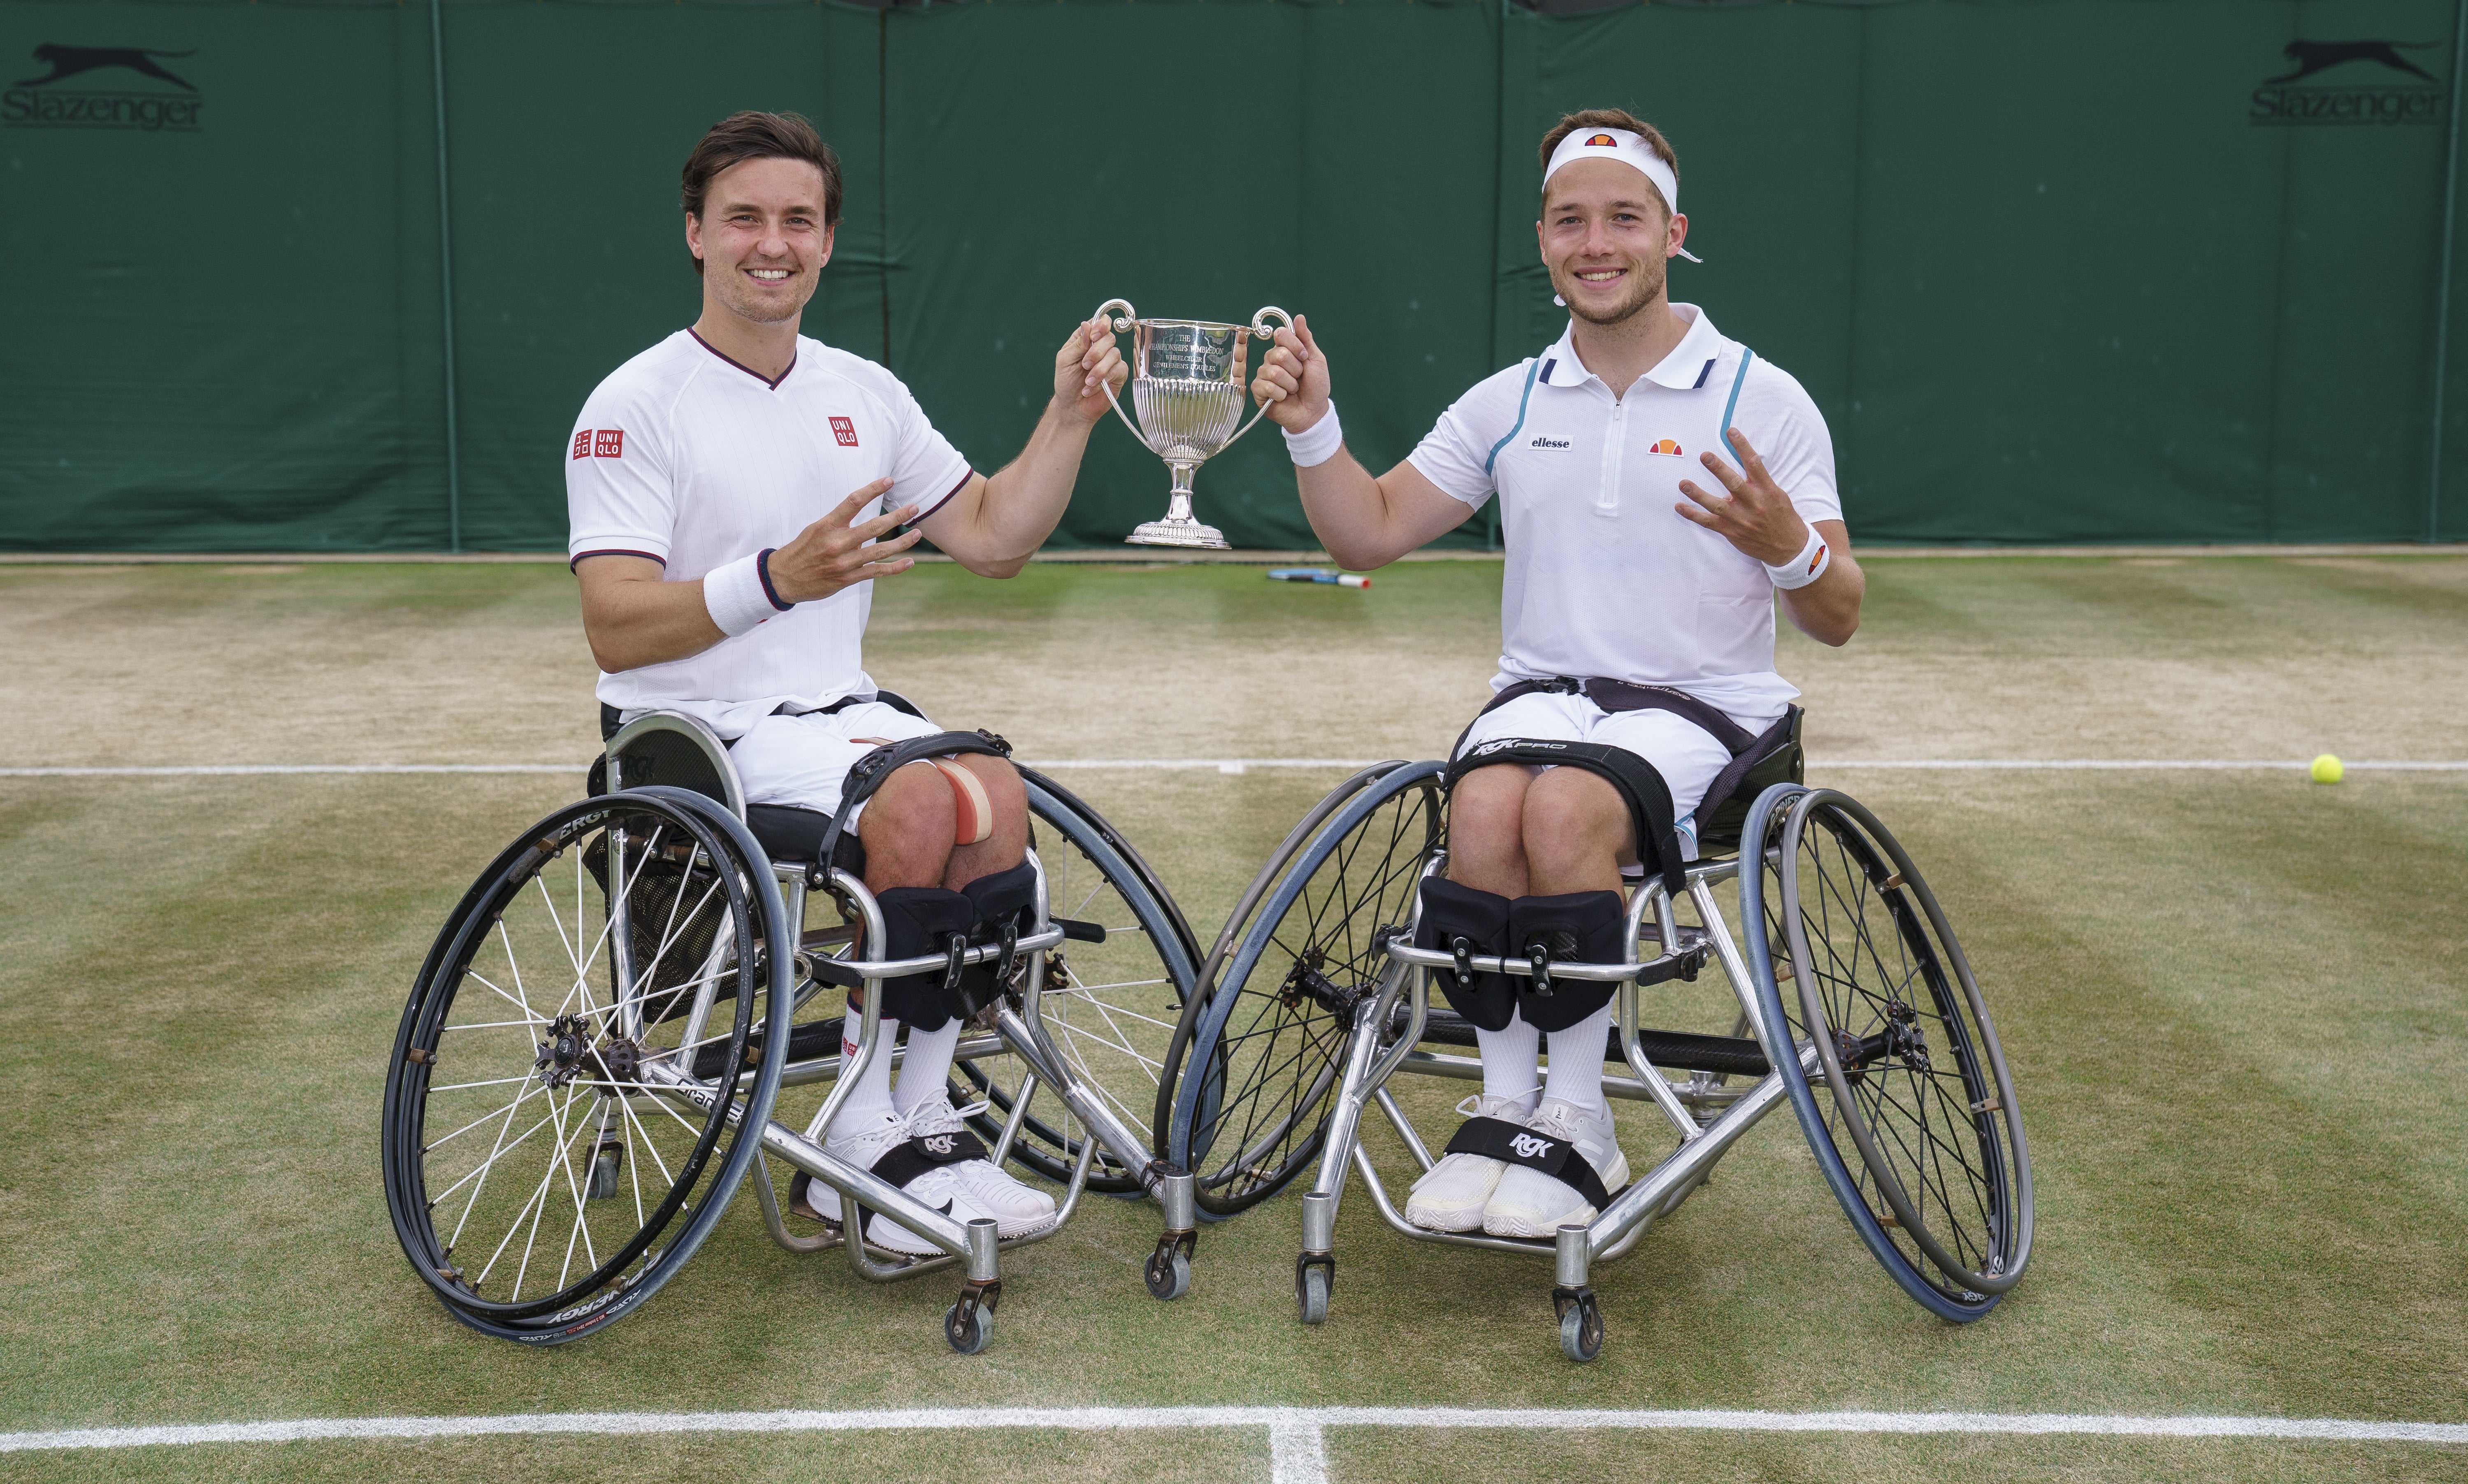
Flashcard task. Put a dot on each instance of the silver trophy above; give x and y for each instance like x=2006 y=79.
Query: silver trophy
x=1189 y=381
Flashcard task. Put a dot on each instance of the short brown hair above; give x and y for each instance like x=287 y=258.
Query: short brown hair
x=760 y=136
x=1614 y=118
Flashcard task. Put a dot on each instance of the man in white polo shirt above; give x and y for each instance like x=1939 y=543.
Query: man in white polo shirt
x=1658 y=484
x=733 y=495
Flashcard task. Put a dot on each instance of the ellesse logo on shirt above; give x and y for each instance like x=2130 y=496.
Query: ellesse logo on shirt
x=1549 y=444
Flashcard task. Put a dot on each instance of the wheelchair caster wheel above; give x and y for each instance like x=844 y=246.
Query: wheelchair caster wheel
x=607 y=1168
x=1313 y=1277
x=1581 y=1325
x=969 y=1326
x=1168 y=1274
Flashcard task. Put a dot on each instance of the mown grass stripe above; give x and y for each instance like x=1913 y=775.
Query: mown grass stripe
x=1294 y=1429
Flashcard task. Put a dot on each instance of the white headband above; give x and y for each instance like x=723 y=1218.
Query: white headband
x=1630 y=149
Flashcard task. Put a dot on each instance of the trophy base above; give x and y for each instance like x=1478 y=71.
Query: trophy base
x=1185 y=533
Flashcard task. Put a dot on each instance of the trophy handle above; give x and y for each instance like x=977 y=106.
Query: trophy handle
x=1116 y=325
x=1263 y=332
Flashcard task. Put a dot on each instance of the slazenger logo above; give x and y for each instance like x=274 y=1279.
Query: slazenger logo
x=34 y=103
x=1528 y=1147
x=1548 y=443
x=2289 y=98
x=939 y=1143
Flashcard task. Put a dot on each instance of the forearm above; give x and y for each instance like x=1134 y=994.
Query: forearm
x=634 y=624
x=1021 y=505
x=1828 y=610
x=1352 y=514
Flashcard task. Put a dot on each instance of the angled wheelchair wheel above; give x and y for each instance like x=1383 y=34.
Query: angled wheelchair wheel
x=1109 y=1008
x=1254 y=1064
x=550 y=1160
x=1908 y=1105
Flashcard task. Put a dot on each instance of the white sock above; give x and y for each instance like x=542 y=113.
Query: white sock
x=927 y=1068
x=1510 y=1060
x=1577 y=1062
x=869 y=1102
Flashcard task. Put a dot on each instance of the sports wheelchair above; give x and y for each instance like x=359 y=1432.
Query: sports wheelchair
x=590 y=1061
x=1855 y=1004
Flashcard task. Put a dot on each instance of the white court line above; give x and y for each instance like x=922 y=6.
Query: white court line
x=1297 y=1453
x=1236 y=765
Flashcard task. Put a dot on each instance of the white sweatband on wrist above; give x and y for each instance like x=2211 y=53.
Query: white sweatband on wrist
x=736 y=595
x=1317 y=444
x=1806 y=568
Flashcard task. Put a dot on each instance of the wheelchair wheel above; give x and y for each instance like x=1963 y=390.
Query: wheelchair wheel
x=1909 y=1107
x=1253 y=1065
x=1110 y=1008
x=548 y=1165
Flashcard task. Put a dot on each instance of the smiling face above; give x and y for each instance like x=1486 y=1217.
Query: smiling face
x=1606 y=236
x=761 y=241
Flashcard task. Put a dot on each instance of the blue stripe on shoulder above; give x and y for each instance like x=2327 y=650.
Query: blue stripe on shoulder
x=1522 y=399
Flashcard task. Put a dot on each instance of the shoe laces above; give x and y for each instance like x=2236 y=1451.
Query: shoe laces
x=937 y=1115
x=1558 y=1120
x=1500 y=1107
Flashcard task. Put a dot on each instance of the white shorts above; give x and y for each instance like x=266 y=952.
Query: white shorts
x=803 y=761
x=1686 y=754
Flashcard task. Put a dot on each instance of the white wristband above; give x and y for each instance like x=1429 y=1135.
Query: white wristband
x=1318 y=442
x=736 y=597
x=1806 y=568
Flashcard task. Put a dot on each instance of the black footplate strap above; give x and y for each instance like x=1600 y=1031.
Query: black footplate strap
x=903 y=1163
x=1497 y=1138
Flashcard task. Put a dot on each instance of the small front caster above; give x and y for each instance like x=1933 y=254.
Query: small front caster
x=1168 y=1267
x=1313 y=1277
x=970 y=1324
x=1580 y=1324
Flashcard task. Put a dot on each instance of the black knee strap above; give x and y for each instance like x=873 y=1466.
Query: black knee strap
x=1002 y=909
x=915 y=921
x=1579 y=928
x=1461 y=921
x=1639 y=783
x=1497 y=1138
x=869 y=772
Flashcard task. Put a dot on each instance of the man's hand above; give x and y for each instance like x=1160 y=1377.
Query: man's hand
x=1754 y=514
x=1087 y=363
x=1292 y=383
x=830 y=554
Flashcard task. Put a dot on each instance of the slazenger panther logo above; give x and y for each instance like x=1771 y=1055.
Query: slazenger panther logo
x=109 y=102
x=939 y=1143
x=1527 y=1147
x=2348 y=97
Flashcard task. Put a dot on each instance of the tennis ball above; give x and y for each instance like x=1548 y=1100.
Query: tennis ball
x=2326 y=769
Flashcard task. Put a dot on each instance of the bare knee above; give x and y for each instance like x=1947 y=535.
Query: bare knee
x=1575 y=830
x=1486 y=829
x=908 y=829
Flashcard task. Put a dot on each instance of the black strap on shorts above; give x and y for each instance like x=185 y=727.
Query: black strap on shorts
x=1638 y=782
x=1497 y=1138
x=611 y=719
x=869 y=772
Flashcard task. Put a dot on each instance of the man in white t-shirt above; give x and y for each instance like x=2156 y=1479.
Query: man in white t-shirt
x=1658 y=485
x=733 y=495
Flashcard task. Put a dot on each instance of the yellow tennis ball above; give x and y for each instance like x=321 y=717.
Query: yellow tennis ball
x=2326 y=769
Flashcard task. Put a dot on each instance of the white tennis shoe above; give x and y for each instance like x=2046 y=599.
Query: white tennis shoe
x=1019 y=1209
x=1451 y=1195
x=1529 y=1203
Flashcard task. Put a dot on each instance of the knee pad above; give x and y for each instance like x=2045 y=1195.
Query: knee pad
x=1580 y=928
x=1001 y=907
x=920 y=919
x=1463 y=920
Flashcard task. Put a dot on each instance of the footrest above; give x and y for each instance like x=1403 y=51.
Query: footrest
x=1680 y=1050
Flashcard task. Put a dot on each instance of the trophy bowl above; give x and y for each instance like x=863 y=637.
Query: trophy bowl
x=1189 y=379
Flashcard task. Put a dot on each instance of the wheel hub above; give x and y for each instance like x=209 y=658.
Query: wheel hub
x=1305 y=981
x=560 y=1056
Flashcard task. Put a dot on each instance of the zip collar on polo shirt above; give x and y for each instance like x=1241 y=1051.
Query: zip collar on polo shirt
x=1690 y=366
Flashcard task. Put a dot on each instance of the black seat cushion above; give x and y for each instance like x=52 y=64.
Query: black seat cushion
x=788 y=832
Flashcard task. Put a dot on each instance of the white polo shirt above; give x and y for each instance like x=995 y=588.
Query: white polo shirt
x=688 y=458
x=1604 y=577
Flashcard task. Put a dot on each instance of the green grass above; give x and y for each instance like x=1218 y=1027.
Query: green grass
x=2232 y=1002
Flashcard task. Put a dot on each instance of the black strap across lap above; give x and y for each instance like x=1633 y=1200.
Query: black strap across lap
x=1639 y=782
x=1497 y=1138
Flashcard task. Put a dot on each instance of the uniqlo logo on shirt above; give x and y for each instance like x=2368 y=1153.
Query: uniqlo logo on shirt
x=609 y=442
x=845 y=431
x=582 y=443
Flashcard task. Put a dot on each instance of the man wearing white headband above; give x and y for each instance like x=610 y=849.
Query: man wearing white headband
x=1659 y=485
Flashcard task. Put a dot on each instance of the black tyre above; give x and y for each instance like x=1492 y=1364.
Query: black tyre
x=1109 y=1009
x=1252 y=1068
x=1909 y=1107
x=550 y=1162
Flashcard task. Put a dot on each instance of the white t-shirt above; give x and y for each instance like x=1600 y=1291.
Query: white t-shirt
x=1603 y=579
x=688 y=458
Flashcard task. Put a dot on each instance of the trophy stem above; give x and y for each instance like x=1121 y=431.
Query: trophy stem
x=1178 y=528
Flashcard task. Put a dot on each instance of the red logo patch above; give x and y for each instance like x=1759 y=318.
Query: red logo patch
x=1602 y=142
x=582 y=443
x=609 y=442
x=1666 y=445
x=845 y=431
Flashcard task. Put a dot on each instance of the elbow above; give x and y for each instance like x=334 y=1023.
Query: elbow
x=996 y=568
x=1356 y=557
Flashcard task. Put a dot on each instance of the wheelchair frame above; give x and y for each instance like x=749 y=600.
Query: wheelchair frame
x=1015 y=1028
